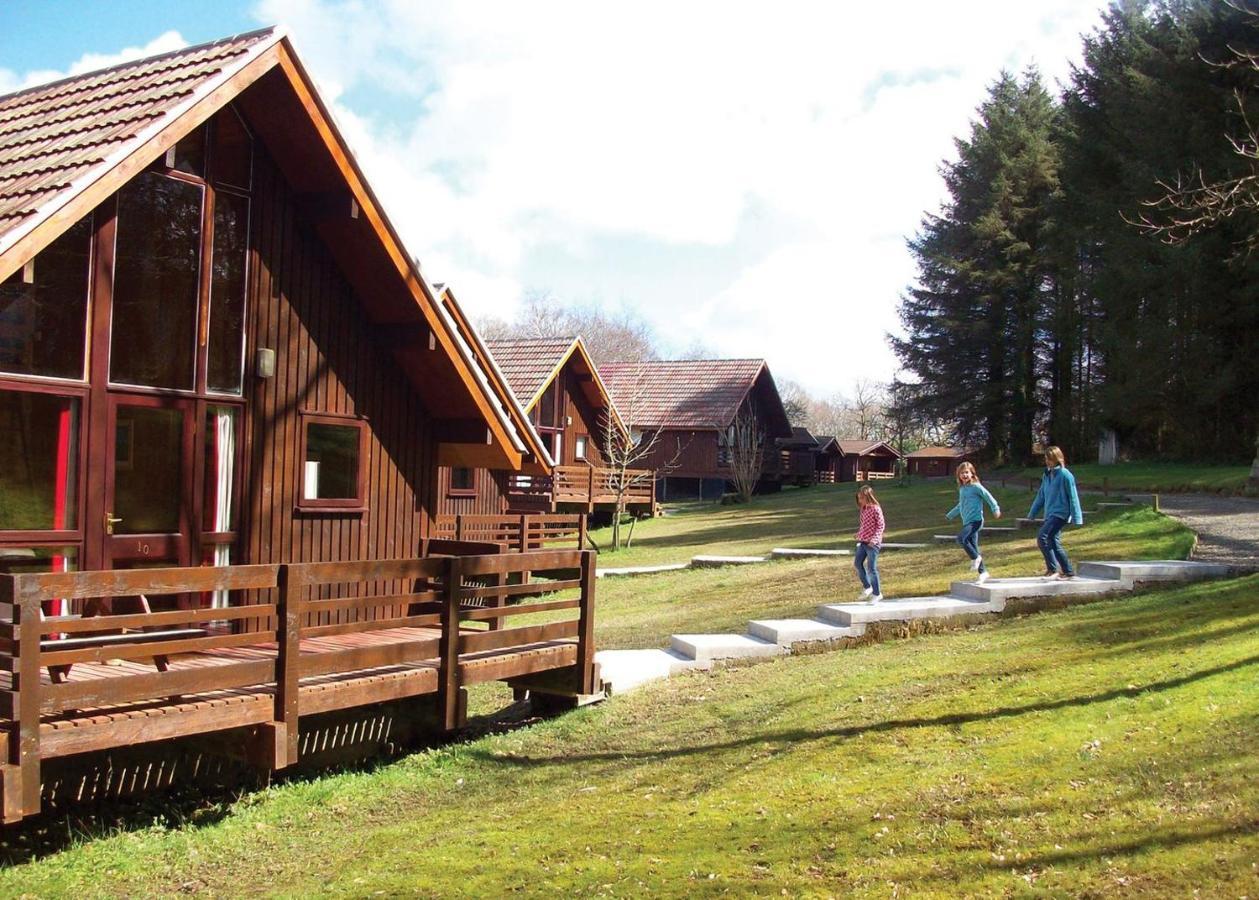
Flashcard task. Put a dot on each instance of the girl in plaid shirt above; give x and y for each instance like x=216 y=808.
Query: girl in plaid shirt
x=869 y=539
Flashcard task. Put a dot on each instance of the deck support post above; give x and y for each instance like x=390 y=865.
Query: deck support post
x=288 y=667
x=586 y=626
x=582 y=527
x=449 y=692
x=22 y=776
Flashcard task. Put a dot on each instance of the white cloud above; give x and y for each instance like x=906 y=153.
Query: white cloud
x=164 y=43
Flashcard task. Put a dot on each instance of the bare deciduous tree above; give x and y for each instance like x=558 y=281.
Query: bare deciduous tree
x=744 y=445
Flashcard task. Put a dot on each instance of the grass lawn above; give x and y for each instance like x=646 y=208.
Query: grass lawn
x=1160 y=477
x=645 y=611
x=1106 y=750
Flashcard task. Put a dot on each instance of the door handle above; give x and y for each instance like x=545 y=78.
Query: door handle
x=110 y=522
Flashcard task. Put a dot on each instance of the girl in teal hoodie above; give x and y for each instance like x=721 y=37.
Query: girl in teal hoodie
x=971 y=497
x=1060 y=502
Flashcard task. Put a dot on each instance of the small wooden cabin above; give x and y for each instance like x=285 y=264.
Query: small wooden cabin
x=220 y=367
x=798 y=457
x=854 y=460
x=935 y=462
x=556 y=386
x=689 y=408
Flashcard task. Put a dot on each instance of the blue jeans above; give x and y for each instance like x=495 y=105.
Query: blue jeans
x=866 y=561
x=1050 y=542
x=968 y=537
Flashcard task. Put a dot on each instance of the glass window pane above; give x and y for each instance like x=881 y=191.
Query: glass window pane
x=37 y=560
x=148 y=470
x=190 y=154
x=219 y=513
x=43 y=309
x=461 y=479
x=331 y=470
x=155 y=282
x=39 y=461
x=233 y=150
x=227 y=294
x=547 y=404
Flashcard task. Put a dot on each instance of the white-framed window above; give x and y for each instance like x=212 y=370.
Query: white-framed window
x=579 y=446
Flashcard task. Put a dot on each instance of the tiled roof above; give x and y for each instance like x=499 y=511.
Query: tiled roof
x=682 y=393
x=528 y=363
x=800 y=439
x=55 y=138
x=938 y=453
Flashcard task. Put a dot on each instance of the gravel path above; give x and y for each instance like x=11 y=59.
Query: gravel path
x=1227 y=527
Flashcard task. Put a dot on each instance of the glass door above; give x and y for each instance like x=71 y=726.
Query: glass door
x=149 y=478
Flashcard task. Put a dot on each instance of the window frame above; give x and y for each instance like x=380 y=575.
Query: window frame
x=581 y=447
x=453 y=491
x=344 y=505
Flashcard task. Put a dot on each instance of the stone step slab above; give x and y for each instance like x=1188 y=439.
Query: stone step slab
x=1114 y=504
x=709 y=647
x=624 y=670
x=786 y=632
x=795 y=553
x=1002 y=589
x=1154 y=570
x=630 y=571
x=1036 y=523
x=902 y=610
x=952 y=538
x=716 y=562
x=900 y=545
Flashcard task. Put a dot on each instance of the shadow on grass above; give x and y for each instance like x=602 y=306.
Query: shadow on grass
x=950 y=719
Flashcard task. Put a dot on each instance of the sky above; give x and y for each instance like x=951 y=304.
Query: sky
x=742 y=176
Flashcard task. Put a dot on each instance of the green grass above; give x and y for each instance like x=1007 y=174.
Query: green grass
x=1106 y=750
x=645 y=611
x=1160 y=477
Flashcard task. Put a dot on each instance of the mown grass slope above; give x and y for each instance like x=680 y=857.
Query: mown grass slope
x=1108 y=750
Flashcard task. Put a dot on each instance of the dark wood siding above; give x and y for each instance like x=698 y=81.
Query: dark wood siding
x=326 y=361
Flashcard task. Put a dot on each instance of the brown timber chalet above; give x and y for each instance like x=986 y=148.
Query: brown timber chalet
x=226 y=393
x=558 y=388
x=854 y=460
x=935 y=462
x=689 y=408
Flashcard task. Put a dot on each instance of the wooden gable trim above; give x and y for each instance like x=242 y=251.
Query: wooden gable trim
x=578 y=346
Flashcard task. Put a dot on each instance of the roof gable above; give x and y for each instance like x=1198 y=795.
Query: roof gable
x=67 y=147
x=530 y=364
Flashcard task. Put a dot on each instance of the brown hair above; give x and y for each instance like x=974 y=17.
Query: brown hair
x=974 y=476
x=1055 y=453
x=868 y=493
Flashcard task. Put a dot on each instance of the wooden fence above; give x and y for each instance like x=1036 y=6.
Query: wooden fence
x=321 y=636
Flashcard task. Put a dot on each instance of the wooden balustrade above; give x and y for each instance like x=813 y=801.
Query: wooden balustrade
x=587 y=485
x=518 y=533
x=322 y=636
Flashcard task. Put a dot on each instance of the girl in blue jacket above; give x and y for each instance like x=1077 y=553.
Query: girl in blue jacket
x=971 y=497
x=1060 y=502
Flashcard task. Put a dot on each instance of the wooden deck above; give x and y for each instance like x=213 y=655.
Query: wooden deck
x=336 y=637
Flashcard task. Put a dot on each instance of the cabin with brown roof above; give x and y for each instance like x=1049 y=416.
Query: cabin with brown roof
x=689 y=408
x=798 y=457
x=854 y=460
x=226 y=393
x=935 y=462
x=558 y=389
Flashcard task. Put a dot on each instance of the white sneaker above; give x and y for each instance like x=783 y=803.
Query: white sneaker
x=978 y=561
x=983 y=576
x=876 y=598
x=866 y=593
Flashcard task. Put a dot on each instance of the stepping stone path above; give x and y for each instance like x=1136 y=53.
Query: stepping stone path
x=952 y=538
x=790 y=553
x=626 y=669
x=625 y=571
x=716 y=562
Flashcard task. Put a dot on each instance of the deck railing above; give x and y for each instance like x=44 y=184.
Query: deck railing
x=450 y=609
x=517 y=533
x=586 y=485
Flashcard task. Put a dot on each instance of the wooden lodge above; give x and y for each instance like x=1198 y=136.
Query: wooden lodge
x=689 y=408
x=854 y=460
x=935 y=462
x=226 y=393
x=798 y=457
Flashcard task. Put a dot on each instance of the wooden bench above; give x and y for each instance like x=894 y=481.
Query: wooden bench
x=58 y=673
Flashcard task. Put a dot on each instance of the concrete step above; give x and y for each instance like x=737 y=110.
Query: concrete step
x=708 y=647
x=895 y=545
x=794 y=553
x=1155 y=570
x=901 y=610
x=786 y=632
x=628 y=571
x=716 y=562
x=624 y=670
x=998 y=590
x=1114 y=504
